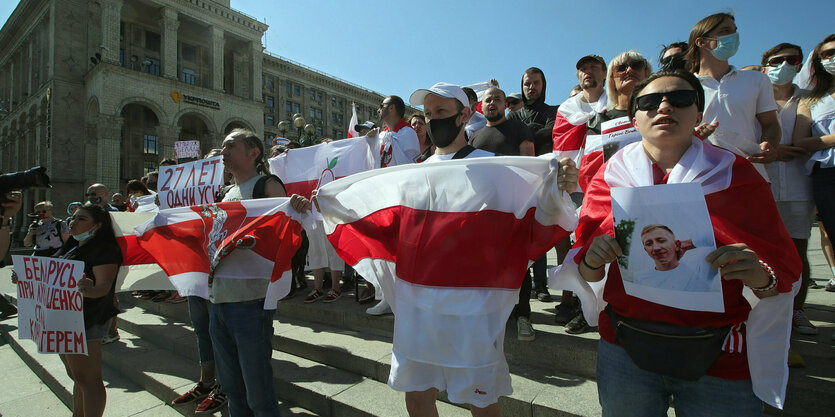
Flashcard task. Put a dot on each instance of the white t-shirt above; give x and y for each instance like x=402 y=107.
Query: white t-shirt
x=790 y=180
x=734 y=102
x=478 y=153
x=693 y=273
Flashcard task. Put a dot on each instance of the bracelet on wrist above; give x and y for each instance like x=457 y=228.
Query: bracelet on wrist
x=589 y=266
x=771 y=277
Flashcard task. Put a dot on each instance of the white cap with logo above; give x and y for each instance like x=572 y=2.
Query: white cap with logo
x=441 y=89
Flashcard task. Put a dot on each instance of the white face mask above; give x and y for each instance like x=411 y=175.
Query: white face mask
x=782 y=74
x=829 y=65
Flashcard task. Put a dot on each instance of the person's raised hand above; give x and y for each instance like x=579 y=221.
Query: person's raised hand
x=604 y=249
x=568 y=175
x=299 y=203
x=737 y=261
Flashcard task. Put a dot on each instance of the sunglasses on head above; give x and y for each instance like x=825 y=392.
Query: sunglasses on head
x=829 y=53
x=677 y=98
x=635 y=65
x=790 y=59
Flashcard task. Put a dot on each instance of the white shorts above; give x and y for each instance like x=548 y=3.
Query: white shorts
x=798 y=217
x=321 y=253
x=477 y=386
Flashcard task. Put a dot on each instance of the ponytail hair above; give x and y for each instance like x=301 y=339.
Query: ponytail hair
x=251 y=140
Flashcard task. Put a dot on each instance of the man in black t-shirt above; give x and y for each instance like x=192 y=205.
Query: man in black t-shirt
x=501 y=136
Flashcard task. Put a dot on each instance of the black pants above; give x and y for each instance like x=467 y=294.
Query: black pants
x=823 y=191
x=523 y=307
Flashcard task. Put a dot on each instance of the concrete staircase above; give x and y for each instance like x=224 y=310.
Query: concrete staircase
x=333 y=360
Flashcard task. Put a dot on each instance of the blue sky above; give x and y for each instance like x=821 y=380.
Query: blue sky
x=395 y=47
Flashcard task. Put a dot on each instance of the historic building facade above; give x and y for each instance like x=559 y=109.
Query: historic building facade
x=99 y=90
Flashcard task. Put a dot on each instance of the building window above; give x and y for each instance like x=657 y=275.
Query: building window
x=121 y=57
x=289 y=106
x=319 y=114
x=189 y=76
x=189 y=52
x=312 y=95
x=150 y=144
x=150 y=65
x=270 y=120
x=340 y=104
x=152 y=41
x=319 y=131
x=296 y=108
x=149 y=167
x=312 y=113
x=289 y=88
x=319 y=97
x=270 y=101
x=270 y=84
x=297 y=90
x=336 y=134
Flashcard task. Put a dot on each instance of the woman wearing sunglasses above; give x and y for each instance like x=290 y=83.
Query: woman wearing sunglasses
x=740 y=101
x=699 y=358
x=814 y=130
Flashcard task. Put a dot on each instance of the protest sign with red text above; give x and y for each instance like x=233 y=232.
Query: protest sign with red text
x=187 y=149
x=190 y=184
x=49 y=304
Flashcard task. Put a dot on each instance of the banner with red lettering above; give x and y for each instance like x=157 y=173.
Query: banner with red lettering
x=190 y=184
x=306 y=169
x=187 y=149
x=49 y=304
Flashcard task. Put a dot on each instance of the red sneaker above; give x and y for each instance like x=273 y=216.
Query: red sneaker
x=214 y=402
x=198 y=392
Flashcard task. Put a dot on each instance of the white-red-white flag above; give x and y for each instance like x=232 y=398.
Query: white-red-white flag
x=569 y=133
x=352 y=131
x=189 y=243
x=448 y=243
x=139 y=270
x=306 y=169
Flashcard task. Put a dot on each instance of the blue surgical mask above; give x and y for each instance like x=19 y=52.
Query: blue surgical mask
x=781 y=75
x=726 y=46
x=83 y=236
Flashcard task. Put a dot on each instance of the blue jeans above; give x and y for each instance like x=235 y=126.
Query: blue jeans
x=242 y=339
x=198 y=311
x=626 y=390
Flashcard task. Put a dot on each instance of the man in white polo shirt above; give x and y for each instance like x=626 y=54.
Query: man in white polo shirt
x=741 y=102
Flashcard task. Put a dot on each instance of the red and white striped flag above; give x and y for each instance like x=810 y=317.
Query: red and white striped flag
x=352 y=131
x=189 y=243
x=306 y=169
x=569 y=134
x=139 y=270
x=450 y=239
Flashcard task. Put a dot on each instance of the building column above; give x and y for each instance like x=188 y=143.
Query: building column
x=218 y=41
x=257 y=60
x=108 y=151
x=111 y=17
x=167 y=135
x=169 y=25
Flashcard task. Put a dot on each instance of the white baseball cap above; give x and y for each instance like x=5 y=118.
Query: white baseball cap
x=441 y=89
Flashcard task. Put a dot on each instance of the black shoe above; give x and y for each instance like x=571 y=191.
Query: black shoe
x=566 y=311
x=366 y=296
x=6 y=309
x=542 y=294
x=577 y=325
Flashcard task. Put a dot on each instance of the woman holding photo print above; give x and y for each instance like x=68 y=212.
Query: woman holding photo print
x=649 y=352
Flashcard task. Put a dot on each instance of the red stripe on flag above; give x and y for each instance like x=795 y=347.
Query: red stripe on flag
x=566 y=136
x=132 y=253
x=465 y=250
x=303 y=188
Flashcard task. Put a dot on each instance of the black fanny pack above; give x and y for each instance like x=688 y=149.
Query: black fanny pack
x=676 y=351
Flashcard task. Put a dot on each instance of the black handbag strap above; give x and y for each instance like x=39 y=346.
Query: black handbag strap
x=463 y=152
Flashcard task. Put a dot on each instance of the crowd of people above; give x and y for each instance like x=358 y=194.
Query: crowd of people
x=761 y=147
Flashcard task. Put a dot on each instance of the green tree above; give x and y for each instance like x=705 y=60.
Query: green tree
x=623 y=235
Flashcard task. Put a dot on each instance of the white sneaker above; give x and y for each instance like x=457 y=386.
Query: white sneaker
x=524 y=329
x=380 y=309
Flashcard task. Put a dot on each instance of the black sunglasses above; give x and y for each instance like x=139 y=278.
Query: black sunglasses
x=635 y=65
x=791 y=59
x=677 y=98
x=829 y=53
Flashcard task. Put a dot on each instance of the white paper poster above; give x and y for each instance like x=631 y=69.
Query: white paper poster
x=50 y=307
x=665 y=234
x=191 y=183
x=617 y=133
x=187 y=149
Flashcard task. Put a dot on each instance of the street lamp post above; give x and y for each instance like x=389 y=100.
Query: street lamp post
x=283 y=127
x=309 y=131
x=299 y=122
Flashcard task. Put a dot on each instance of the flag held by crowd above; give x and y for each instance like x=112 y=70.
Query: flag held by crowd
x=190 y=242
x=306 y=169
x=139 y=270
x=471 y=225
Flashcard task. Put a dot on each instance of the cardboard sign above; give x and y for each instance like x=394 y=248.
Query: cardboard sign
x=187 y=149
x=616 y=134
x=190 y=184
x=49 y=304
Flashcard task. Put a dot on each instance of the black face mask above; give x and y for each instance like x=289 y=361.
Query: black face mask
x=674 y=62
x=443 y=131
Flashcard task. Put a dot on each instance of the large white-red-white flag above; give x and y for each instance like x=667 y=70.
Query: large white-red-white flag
x=450 y=239
x=189 y=243
x=306 y=169
x=139 y=270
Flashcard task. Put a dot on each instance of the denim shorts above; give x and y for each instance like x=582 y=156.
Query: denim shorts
x=98 y=331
